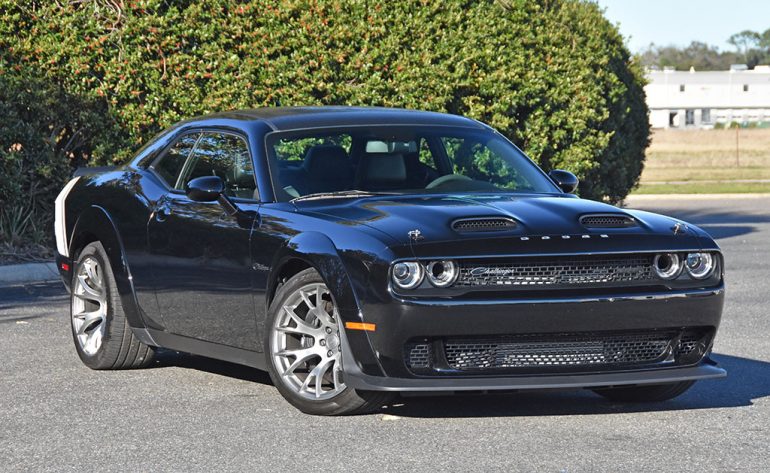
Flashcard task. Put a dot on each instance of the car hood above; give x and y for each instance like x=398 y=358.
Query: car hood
x=544 y=224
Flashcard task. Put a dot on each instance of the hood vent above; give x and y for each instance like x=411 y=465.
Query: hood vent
x=483 y=224
x=607 y=221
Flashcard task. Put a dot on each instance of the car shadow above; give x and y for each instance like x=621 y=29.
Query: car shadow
x=747 y=380
x=22 y=295
x=719 y=232
x=168 y=358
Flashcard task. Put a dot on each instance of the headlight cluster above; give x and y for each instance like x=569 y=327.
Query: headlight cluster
x=669 y=266
x=410 y=274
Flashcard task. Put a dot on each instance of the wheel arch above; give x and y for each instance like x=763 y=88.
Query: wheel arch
x=96 y=224
x=316 y=250
x=312 y=250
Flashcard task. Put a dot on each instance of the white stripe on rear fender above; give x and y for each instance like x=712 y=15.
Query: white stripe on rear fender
x=59 y=225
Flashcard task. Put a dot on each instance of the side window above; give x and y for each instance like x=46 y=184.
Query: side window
x=226 y=156
x=170 y=165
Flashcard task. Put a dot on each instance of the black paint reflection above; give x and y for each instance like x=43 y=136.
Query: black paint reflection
x=202 y=272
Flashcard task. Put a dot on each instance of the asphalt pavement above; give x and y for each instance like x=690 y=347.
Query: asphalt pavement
x=194 y=414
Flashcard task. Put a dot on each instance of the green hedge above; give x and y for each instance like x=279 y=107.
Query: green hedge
x=90 y=81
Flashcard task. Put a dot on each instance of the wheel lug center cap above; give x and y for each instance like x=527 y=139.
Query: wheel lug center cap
x=332 y=341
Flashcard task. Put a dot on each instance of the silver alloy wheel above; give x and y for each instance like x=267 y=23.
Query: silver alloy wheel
x=305 y=344
x=89 y=306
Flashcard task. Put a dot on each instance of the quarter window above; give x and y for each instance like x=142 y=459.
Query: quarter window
x=170 y=165
x=226 y=156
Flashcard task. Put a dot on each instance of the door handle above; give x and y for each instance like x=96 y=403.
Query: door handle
x=162 y=212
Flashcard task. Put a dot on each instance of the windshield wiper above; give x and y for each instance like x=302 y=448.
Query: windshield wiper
x=342 y=194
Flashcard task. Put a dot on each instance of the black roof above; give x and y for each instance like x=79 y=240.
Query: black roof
x=291 y=118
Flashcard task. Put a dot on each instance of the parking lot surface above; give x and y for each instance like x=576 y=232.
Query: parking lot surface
x=190 y=413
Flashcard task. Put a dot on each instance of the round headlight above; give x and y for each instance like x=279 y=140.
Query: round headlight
x=408 y=274
x=442 y=273
x=699 y=265
x=667 y=265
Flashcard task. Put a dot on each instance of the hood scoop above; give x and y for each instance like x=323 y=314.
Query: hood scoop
x=483 y=224
x=607 y=221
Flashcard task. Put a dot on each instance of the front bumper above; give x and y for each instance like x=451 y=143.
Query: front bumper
x=383 y=367
x=358 y=380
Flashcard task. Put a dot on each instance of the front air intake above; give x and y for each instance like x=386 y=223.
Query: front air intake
x=483 y=224
x=607 y=221
x=557 y=352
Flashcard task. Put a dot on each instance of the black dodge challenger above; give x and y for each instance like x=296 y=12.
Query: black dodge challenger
x=357 y=252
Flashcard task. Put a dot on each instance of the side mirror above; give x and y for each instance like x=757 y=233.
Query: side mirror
x=566 y=181
x=205 y=189
x=211 y=189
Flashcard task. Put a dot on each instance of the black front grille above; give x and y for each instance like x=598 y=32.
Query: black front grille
x=418 y=356
x=561 y=352
x=485 y=224
x=514 y=353
x=607 y=221
x=559 y=272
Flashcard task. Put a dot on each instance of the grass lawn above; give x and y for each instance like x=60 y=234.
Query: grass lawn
x=726 y=187
x=707 y=161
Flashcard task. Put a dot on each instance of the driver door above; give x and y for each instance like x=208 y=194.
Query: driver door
x=200 y=255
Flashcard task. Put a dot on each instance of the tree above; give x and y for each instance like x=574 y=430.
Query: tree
x=698 y=55
x=764 y=40
x=745 y=42
x=554 y=76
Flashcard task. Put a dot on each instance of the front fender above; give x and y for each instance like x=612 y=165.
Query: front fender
x=317 y=250
x=345 y=278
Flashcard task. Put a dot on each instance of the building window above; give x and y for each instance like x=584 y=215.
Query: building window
x=672 y=120
x=705 y=115
x=689 y=117
x=745 y=87
x=681 y=87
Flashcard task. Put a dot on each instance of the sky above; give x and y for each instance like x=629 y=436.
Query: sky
x=680 y=22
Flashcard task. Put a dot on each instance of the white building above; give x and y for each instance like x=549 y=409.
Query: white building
x=700 y=99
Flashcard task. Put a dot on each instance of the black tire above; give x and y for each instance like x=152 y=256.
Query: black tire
x=347 y=402
x=119 y=348
x=645 y=393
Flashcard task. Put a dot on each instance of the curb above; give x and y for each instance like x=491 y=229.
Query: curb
x=13 y=274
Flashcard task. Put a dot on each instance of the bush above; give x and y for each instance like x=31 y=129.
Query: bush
x=554 y=76
x=44 y=134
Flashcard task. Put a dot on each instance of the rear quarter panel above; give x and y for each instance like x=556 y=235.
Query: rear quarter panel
x=114 y=208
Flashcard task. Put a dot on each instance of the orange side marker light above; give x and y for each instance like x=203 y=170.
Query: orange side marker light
x=360 y=326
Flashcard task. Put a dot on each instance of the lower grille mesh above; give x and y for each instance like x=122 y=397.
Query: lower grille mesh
x=418 y=356
x=511 y=354
x=566 y=352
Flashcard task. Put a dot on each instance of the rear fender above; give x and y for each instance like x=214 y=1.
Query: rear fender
x=96 y=223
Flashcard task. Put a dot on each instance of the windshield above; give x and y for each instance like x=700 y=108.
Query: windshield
x=399 y=160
